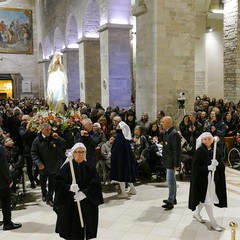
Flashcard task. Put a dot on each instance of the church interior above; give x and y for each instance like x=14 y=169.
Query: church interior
x=116 y=53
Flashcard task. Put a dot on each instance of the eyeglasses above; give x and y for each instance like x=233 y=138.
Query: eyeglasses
x=80 y=152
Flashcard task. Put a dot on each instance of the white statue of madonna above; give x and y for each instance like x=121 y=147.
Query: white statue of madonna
x=57 y=85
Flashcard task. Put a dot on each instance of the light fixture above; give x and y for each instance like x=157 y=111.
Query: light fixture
x=209 y=29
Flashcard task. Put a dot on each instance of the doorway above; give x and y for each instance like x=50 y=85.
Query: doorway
x=6 y=86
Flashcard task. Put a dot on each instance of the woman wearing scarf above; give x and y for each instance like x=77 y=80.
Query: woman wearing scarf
x=123 y=166
x=204 y=192
x=87 y=191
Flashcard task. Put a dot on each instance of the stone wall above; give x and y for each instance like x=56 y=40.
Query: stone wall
x=231 y=51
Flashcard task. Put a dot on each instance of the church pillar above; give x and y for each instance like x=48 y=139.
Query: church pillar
x=165 y=38
x=71 y=65
x=231 y=51
x=89 y=62
x=115 y=65
x=45 y=65
x=41 y=83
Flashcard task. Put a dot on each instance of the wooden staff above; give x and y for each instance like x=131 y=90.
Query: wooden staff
x=215 y=140
x=74 y=182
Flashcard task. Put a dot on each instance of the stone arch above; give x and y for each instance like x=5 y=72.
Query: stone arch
x=91 y=20
x=71 y=32
x=47 y=48
x=58 y=43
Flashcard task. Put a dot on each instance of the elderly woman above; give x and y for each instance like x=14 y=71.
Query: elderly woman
x=87 y=191
x=204 y=192
x=123 y=166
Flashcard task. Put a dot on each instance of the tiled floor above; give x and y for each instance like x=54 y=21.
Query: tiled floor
x=140 y=217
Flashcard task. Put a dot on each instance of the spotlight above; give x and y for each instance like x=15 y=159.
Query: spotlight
x=209 y=29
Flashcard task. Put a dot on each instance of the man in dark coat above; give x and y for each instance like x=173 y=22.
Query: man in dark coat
x=28 y=135
x=89 y=138
x=87 y=190
x=48 y=153
x=171 y=159
x=5 y=192
x=201 y=184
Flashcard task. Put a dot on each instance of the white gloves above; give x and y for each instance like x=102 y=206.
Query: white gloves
x=214 y=162
x=213 y=166
x=74 y=188
x=79 y=196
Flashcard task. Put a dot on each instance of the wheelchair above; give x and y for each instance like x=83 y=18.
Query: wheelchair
x=234 y=158
x=233 y=152
x=102 y=167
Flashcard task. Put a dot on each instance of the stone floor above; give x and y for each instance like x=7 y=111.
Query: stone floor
x=139 y=217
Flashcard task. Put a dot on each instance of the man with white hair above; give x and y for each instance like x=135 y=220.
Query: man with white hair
x=48 y=153
x=171 y=159
x=89 y=138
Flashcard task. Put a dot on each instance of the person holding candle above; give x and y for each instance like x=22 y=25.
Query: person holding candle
x=208 y=183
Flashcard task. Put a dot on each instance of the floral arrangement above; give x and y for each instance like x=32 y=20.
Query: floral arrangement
x=60 y=122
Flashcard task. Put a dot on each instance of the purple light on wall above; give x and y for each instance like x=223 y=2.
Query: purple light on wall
x=119 y=12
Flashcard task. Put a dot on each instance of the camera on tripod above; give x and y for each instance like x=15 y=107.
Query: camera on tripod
x=181 y=100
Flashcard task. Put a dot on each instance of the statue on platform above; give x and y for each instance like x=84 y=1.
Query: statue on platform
x=57 y=85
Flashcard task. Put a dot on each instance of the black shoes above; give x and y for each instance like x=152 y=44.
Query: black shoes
x=33 y=185
x=44 y=198
x=11 y=226
x=37 y=181
x=168 y=206
x=166 y=201
x=50 y=203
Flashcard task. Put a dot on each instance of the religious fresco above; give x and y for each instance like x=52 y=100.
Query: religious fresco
x=16 y=31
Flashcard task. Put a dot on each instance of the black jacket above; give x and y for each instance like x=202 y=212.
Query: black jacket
x=27 y=139
x=90 y=142
x=5 y=178
x=199 y=178
x=68 y=223
x=171 y=149
x=48 y=151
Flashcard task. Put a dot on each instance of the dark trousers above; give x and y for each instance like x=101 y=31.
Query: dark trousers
x=5 y=197
x=29 y=163
x=47 y=180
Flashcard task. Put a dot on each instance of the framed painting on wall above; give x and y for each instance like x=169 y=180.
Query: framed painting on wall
x=16 y=33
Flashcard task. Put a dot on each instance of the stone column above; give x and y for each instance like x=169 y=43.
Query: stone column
x=71 y=65
x=41 y=82
x=89 y=64
x=231 y=51
x=165 y=57
x=115 y=65
x=45 y=65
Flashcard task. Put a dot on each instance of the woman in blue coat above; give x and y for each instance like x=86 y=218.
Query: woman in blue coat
x=123 y=166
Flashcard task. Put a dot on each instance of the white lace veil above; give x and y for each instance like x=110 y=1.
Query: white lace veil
x=125 y=130
x=203 y=135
